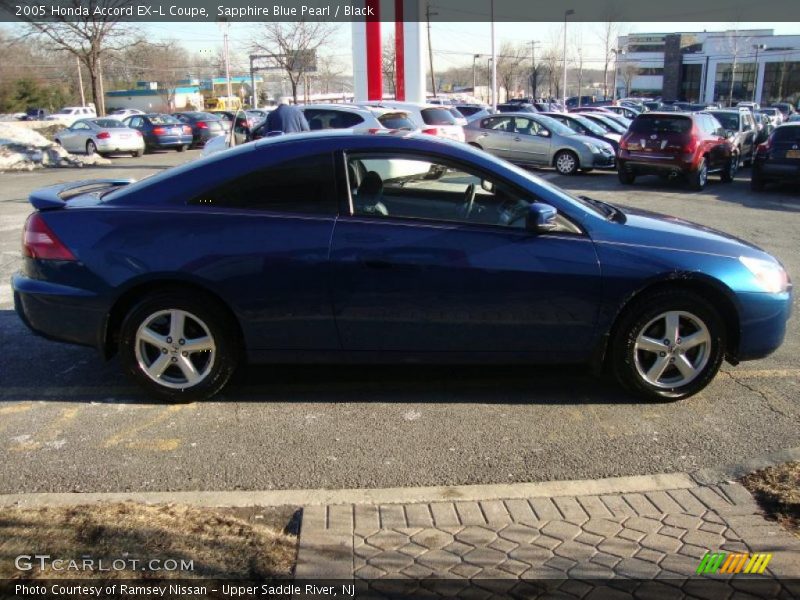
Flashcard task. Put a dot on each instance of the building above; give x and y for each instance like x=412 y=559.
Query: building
x=725 y=66
x=152 y=96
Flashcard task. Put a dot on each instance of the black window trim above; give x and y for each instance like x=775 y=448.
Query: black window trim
x=423 y=221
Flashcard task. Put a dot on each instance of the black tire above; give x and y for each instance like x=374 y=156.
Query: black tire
x=699 y=177
x=136 y=153
x=566 y=162
x=91 y=148
x=729 y=172
x=626 y=177
x=625 y=360
x=215 y=367
x=182 y=148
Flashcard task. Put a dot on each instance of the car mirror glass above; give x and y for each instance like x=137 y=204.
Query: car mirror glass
x=541 y=218
x=487 y=186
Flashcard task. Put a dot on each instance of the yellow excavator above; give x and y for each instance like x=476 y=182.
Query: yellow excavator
x=223 y=103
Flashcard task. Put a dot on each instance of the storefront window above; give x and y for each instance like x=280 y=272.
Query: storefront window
x=781 y=82
x=735 y=85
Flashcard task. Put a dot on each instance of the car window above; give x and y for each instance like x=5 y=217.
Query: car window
x=528 y=126
x=553 y=125
x=729 y=121
x=109 y=123
x=647 y=124
x=396 y=121
x=787 y=134
x=590 y=125
x=498 y=123
x=331 y=119
x=305 y=185
x=437 y=116
x=80 y=125
x=135 y=122
x=406 y=187
x=163 y=120
x=468 y=111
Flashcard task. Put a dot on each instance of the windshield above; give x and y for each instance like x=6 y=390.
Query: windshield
x=729 y=121
x=163 y=120
x=591 y=125
x=647 y=124
x=110 y=124
x=437 y=116
x=611 y=124
x=554 y=125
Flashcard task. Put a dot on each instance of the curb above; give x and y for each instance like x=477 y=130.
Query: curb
x=411 y=495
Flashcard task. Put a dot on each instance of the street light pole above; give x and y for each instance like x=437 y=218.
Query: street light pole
x=474 y=78
x=757 y=47
x=494 y=66
x=533 y=70
x=567 y=13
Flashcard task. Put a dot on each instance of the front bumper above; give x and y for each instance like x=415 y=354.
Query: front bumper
x=762 y=321
x=59 y=312
x=604 y=161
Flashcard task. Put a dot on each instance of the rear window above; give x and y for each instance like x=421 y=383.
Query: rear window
x=729 y=121
x=396 y=121
x=164 y=120
x=110 y=123
x=786 y=134
x=661 y=124
x=468 y=111
x=437 y=116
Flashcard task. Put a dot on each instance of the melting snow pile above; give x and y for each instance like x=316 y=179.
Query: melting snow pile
x=23 y=149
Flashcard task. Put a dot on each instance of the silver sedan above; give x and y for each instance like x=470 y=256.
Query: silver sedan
x=101 y=136
x=537 y=140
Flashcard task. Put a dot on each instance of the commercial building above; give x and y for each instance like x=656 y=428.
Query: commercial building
x=725 y=66
x=152 y=96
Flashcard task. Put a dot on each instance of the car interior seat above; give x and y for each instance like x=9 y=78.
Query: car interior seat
x=368 y=197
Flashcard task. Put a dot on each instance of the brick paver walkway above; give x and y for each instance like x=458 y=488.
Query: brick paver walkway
x=657 y=537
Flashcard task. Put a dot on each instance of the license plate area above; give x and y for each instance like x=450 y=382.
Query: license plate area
x=793 y=154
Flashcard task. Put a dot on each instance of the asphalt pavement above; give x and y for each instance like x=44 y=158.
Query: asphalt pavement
x=71 y=422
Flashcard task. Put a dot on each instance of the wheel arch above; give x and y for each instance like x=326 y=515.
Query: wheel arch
x=128 y=299
x=721 y=296
x=569 y=149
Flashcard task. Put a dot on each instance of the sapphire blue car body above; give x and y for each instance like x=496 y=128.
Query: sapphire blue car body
x=342 y=247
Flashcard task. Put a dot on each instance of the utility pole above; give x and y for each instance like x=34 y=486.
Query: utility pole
x=474 y=78
x=533 y=70
x=80 y=81
x=225 y=25
x=757 y=47
x=567 y=13
x=494 y=67
x=428 y=14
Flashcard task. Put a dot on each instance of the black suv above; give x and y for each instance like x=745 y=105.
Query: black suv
x=778 y=159
x=743 y=131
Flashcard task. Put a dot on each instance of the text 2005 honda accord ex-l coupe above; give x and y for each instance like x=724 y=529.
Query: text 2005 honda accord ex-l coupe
x=338 y=246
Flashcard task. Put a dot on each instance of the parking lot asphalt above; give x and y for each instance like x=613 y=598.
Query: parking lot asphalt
x=70 y=422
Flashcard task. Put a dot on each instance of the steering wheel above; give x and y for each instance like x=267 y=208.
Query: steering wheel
x=469 y=200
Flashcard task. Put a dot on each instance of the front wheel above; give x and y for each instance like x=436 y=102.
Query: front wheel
x=729 y=172
x=566 y=163
x=626 y=177
x=668 y=346
x=136 y=153
x=179 y=346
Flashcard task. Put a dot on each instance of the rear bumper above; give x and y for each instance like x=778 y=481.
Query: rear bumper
x=776 y=170
x=120 y=145
x=653 y=166
x=59 y=312
x=762 y=323
x=169 y=141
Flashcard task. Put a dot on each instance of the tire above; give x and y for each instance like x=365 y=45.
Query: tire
x=213 y=361
x=91 y=149
x=757 y=183
x=57 y=142
x=566 y=162
x=182 y=148
x=642 y=327
x=136 y=153
x=729 y=172
x=626 y=177
x=699 y=177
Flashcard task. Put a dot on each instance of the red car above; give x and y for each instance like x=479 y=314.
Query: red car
x=689 y=145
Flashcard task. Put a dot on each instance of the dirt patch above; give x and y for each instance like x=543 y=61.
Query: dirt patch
x=221 y=543
x=777 y=490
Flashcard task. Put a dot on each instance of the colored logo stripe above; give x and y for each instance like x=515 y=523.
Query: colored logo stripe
x=736 y=562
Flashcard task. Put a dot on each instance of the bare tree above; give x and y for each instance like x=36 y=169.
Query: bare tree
x=735 y=44
x=509 y=66
x=628 y=73
x=608 y=34
x=389 y=64
x=89 y=38
x=578 y=60
x=292 y=45
x=329 y=72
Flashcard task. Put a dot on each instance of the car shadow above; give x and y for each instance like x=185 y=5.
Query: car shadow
x=37 y=369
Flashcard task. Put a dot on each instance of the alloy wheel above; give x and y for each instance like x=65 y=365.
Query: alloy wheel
x=175 y=348
x=672 y=349
x=565 y=163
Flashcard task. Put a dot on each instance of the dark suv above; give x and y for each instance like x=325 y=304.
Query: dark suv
x=743 y=131
x=669 y=144
x=778 y=159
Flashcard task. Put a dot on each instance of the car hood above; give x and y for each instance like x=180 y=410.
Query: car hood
x=589 y=140
x=613 y=136
x=664 y=231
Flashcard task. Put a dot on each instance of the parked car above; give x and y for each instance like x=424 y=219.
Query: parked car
x=100 y=136
x=764 y=127
x=606 y=122
x=575 y=101
x=122 y=113
x=430 y=118
x=689 y=145
x=277 y=253
x=786 y=108
x=593 y=109
x=741 y=126
x=69 y=114
x=583 y=126
x=751 y=106
x=357 y=118
x=778 y=159
x=625 y=111
x=257 y=115
x=457 y=115
x=161 y=131
x=516 y=107
x=470 y=110
x=537 y=140
x=793 y=118
x=35 y=114
x=654 y=105
x=774 y=114
x=205 y=126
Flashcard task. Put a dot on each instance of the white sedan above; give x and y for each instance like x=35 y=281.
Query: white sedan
x=101 y=136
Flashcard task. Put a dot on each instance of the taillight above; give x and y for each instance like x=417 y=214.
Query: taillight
x=39 y=241
x=764 y=148
x=623 y=144
x=187 y=129
x=201 y=125
x=431 y=131
x=103 y=135
x=373 y=130
x=159 y=131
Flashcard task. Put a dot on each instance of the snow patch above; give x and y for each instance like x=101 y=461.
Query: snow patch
x=23 y=149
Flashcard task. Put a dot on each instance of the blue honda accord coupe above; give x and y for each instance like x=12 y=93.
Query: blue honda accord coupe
x=344 y=247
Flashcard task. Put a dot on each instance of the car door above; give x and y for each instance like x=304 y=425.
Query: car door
x=410 y=274
x=79 y=133
x=750 y=131
x=531 y=144
x=496 y=134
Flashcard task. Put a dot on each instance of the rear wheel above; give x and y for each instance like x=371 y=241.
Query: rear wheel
x=626 y=177
x=91 y=149
x=668 y=346
x=699 y=177
x=178 y=346
x=729 y=172
x=182 y=148
x=566 y=162
x=136 y=153
x=474 y=145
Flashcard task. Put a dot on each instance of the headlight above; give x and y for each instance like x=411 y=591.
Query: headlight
x=770 y=275
x=594 y=148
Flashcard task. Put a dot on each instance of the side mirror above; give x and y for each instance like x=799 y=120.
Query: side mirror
x=544 y=133
x=487 y=186
x=726 y=134
x=541 y=218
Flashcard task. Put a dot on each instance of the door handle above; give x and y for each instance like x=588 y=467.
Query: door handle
x=517 y=139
